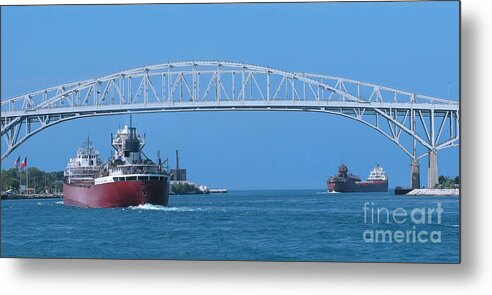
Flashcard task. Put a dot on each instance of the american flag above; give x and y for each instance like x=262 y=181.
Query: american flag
x=17 y=162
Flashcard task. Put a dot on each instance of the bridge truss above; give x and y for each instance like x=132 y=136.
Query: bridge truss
x=411 y=121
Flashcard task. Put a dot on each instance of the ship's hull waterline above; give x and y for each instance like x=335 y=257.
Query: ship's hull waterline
x=358 y=187
x=117 y=194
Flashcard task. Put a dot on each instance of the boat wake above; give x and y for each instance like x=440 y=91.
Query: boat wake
x=162 y=208
x=327 y=193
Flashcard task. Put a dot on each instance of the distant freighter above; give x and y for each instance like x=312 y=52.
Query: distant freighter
x=344 y=182
x=129 y=178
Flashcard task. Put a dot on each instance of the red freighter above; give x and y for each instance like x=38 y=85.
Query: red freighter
x=129 y=178
x=344 y=182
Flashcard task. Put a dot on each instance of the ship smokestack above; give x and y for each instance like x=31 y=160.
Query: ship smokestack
x=177 y=165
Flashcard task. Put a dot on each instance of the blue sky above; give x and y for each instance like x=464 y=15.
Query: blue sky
x=411 y=46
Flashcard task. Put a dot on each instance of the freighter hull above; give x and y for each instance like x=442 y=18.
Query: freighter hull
x=359 y=186
x=372 y=186
x=117 y=194
x=342 y=186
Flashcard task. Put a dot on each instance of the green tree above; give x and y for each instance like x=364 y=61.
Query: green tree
x=38 y=179
x=448 y=182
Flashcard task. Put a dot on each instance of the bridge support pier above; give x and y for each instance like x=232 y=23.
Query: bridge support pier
x=414 y=174
x=433 y=175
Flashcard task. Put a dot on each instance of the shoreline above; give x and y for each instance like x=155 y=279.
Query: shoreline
x=31 y=196
x=415 y=193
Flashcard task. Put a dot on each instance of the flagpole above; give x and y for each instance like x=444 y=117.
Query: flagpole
x=27 y=180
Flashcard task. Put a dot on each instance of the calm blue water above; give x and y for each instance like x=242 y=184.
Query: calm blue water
x=297 y=225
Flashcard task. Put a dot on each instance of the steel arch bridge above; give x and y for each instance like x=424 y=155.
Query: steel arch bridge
x=412 y=121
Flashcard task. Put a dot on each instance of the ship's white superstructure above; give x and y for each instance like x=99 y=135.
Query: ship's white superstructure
x=84 y=166
x=377 y=174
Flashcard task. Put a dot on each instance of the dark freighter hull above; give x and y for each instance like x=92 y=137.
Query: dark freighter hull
x=116 y=194
x=358 y=187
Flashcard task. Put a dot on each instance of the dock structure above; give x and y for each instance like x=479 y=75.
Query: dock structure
x=218 y=191
x=435 y=192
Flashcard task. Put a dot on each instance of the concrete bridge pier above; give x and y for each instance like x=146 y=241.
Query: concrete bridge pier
x=433 y=174
x=414 y=174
